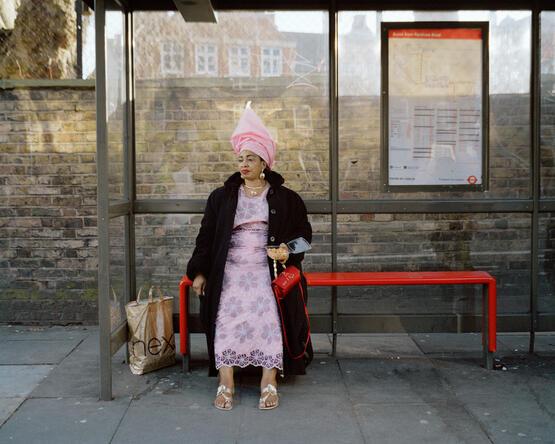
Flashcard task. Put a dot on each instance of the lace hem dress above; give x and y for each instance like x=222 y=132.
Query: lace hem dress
x=247 y=325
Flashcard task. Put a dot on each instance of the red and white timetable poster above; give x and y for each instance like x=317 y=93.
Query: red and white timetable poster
x=435 y=106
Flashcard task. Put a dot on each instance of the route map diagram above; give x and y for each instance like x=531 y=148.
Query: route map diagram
x=435 y=107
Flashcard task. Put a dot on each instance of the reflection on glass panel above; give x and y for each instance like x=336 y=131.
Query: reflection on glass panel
x=546 y=292
x=547 y=131
x=117 y=272
x=193 y=81
x=359 y=102
x=496 y=243
x=319 y=259
x=115 y=101
x=164 y=244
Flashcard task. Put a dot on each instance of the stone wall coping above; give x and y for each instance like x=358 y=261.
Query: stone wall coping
x=46 y=83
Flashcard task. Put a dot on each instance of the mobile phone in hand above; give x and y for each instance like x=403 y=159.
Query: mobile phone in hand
x=298 y=245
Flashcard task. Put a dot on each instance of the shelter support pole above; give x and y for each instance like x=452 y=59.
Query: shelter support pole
x=103 y=217
x=535 y=117
x=129 y=170
x=334 y=154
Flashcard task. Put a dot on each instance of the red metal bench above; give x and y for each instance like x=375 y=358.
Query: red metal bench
x=338 y=279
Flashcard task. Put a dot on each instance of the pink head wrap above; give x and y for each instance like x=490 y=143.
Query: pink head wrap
x=251 y=134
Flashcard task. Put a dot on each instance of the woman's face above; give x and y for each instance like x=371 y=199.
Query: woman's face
x=250 y=165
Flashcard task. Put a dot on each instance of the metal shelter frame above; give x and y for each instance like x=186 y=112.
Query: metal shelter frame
x=129 y=206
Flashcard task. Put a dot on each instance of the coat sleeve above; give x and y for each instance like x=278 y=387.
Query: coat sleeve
x=301 y=228
x=201 y=260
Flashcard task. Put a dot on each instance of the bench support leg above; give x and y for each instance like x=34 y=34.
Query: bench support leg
x=334 y=320
x=184 y=336
x=187 y=361
x=187 y=358
x=487 y=354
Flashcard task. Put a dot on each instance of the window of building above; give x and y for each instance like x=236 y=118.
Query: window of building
x=239 y=61
x=171 y=55
x=271 y=62
x=206 y=57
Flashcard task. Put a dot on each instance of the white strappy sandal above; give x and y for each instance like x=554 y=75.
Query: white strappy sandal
x=227 y=393
x=265 y=394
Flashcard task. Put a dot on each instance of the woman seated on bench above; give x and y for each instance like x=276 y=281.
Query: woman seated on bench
x=232 y=274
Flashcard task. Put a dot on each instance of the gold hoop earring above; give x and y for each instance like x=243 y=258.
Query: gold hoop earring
x=262 y=175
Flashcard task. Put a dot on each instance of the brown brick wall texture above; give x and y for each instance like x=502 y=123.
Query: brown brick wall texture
x=48 y=205
x=48 y=197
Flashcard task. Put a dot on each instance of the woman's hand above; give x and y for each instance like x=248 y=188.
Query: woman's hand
x=283 y=253
x=198 y=284
x=280 y=253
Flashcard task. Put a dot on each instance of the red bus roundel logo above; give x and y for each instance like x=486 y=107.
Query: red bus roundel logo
x=472 y=180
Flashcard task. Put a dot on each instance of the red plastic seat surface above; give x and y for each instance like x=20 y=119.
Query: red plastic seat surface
x=397 y=277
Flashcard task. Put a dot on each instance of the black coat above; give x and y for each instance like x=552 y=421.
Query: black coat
x=287 y=220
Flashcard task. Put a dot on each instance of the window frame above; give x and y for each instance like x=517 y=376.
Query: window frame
x=205 y=71
x=239 y=72
x=264 y=57
x=172 y=54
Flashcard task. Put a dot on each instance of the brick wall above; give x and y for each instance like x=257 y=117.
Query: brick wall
x=48 y=203
x=48 y=210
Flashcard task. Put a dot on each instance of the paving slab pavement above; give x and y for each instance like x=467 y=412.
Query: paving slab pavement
x=376 y=345
x=381 y=388
x=8 y=406
x=511 y=405
x=64 y=420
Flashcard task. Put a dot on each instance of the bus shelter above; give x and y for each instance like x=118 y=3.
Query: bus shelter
x=323 y=86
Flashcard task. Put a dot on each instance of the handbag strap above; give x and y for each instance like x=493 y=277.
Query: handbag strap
x=283 y=324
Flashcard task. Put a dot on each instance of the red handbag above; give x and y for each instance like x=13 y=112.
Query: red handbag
x=285 y=281
x=282 y=286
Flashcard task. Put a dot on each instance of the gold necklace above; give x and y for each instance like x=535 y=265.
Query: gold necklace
x=254 y=188
x=253 y=191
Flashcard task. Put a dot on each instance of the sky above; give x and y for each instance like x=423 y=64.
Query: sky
x=313 y=21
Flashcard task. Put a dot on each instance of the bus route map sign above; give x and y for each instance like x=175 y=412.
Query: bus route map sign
x=435 y=78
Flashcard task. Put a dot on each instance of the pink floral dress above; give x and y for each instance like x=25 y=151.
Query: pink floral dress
x=247 y=326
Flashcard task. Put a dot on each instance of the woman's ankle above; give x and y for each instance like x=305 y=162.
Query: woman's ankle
x=226 y=378
x=268 y=377
x=228 y=383
x=264 y=382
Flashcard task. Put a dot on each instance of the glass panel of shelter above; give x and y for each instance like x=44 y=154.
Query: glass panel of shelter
x=546 y=234
x=165 y=242
x=547 y=76
x=359 y=103
x=118 y=286
x=115 y=102
x=193 y=81
x=116 y=127
x=498 y=243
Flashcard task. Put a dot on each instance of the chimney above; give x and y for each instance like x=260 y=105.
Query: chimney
x=359 y=25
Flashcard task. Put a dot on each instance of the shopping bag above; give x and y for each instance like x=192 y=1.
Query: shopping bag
x=151 y=341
